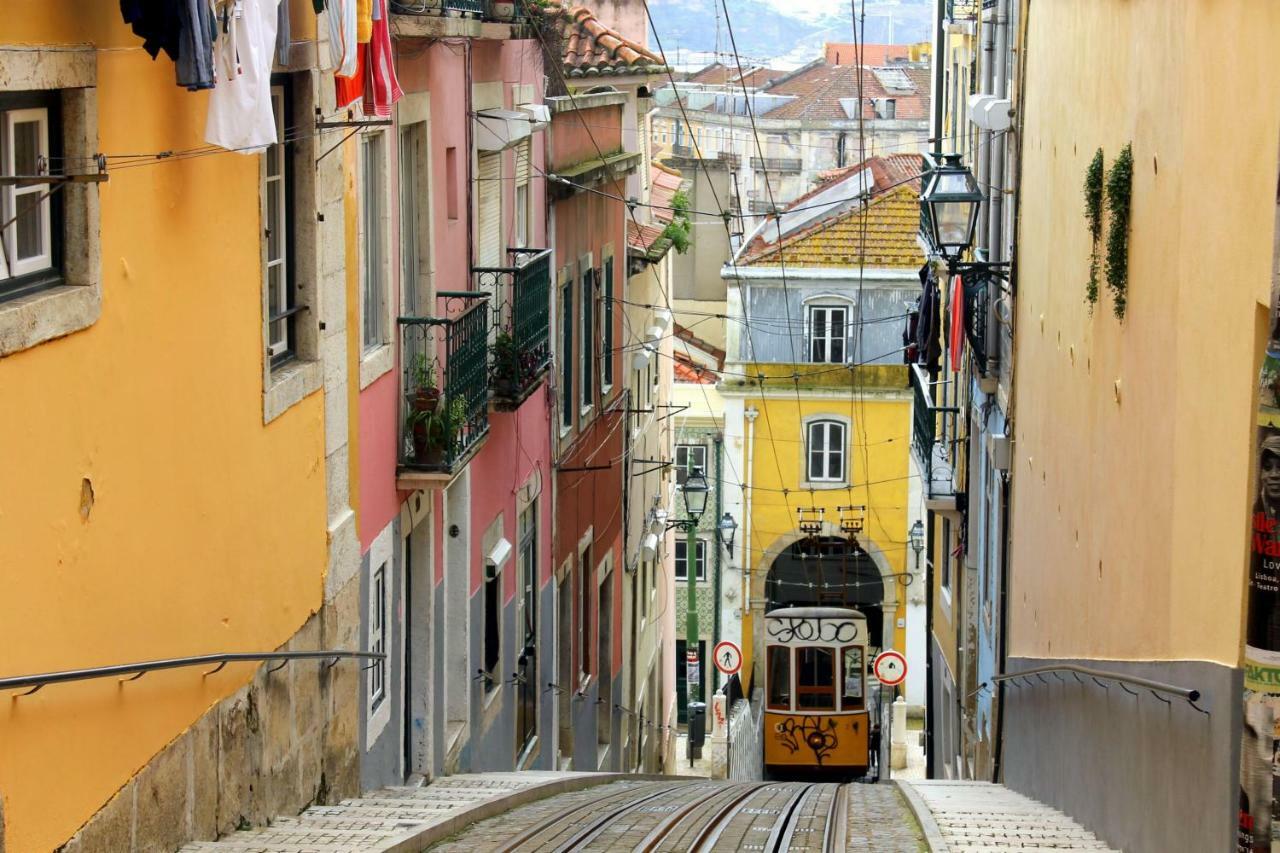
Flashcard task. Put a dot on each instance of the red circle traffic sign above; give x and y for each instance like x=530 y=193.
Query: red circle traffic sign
x=727 y=657
x=890 y=667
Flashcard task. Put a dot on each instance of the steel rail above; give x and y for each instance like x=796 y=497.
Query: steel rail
x=141 y=668
x=835 y=834
x=1185 y=693
x=591 y=831
x=520 y=841
x=780 y=837
x=710 y=832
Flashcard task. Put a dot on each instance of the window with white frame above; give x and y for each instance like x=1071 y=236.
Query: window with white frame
x=374 y=291
x=587 y=309
x=690 y=457
x=825 y=452
x=682 y=560
x=378 y=637
x=277 y=194
x=828 y=333
x=522 y=236
x=29 y=212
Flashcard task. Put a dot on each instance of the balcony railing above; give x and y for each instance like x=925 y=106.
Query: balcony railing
x=506 y=11
x=934 y=438
x=522 y=319
x=977 y=310
x=776 y=164
x=444 y=421
x=475 y=8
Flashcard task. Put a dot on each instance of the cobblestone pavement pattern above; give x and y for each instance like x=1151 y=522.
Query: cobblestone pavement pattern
x=980 y=816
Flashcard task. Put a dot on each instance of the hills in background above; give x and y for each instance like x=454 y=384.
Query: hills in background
x=783 y=33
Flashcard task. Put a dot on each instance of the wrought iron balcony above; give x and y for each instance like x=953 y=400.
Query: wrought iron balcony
x=446 y=412
x=522 y=320
x=776 y=164
x=934 y=441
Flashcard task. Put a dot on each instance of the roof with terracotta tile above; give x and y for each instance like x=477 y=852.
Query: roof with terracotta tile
x=686 y=335
x=719 y=74
x=664 y=183
x=845 y=53
x=822 y=91
x=686 y=370
x=591 y=48
x=836 y=239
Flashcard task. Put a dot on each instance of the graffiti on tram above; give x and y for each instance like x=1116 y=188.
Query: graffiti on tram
x=789 y=630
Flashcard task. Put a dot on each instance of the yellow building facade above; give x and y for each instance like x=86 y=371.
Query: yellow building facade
x=163 y=489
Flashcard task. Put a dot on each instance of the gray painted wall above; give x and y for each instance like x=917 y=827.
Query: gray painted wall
x=1144 y=776
x=769 y=306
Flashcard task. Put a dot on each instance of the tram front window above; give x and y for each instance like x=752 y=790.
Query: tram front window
x=815 y=679
x=780 y=678
x=852 y=696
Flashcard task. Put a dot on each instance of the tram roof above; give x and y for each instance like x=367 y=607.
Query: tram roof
x=815 y=613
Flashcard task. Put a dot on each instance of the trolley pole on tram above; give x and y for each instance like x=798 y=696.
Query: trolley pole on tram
x=695 y=504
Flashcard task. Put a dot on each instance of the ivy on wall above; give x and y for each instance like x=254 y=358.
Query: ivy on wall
x=1119 y=191
x=677 y=230
x=1093 y=216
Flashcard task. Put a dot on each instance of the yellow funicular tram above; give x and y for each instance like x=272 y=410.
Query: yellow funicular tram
x=816 y=713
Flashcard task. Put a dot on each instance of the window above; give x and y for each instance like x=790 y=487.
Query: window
x=587 y=307
x=522 y=237
x=604 y=659
x=780 y=678
x=826 y=452
x=606 y=328
x=945 y=574
x=277 y=194
x=451 y=182
x=690 y=457
x=373 y=302
x=413 y=188
x=492 y=629
x=489 y=209
x=851 y=697
x=30 y=213
x=815 y=679
x=584 y=613
x=566 y=355
x=378 y=637
x=828 y=333
x=682 y=560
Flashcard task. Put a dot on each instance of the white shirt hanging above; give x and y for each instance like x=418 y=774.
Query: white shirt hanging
x=240 y=117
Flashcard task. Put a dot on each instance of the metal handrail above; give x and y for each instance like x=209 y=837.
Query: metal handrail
x=35 y=682
x=1188 y=694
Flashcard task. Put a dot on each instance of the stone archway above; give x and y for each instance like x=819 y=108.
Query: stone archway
x=871 y=555
x=827 y=572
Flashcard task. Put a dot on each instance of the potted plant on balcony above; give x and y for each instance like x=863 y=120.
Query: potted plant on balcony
x=506 y=366
x=423 y=403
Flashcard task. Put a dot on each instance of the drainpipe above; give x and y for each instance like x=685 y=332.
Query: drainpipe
x=751 y=414
x=939 y=46
x=718 y=444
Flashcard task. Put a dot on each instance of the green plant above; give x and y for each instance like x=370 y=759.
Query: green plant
x=678 y=229
x=1119 y=192
x=1093 y=177
x=424 y=374
x=506 y=358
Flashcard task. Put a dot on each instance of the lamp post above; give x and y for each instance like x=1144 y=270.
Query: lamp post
x=916 y=537
x=726 y=528
x=695 y=504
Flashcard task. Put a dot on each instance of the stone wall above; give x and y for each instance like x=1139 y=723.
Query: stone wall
x=284 y=741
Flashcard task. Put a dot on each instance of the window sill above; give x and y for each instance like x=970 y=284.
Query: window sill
x=288 y=385
x=54 y=312
x=821 y=485
x=375 y=363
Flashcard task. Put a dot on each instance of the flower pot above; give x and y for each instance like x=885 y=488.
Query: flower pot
x=503 y=10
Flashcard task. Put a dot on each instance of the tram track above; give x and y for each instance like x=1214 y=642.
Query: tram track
x=776 y=817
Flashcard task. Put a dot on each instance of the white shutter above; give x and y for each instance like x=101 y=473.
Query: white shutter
x=489 y=177
x=522 y=163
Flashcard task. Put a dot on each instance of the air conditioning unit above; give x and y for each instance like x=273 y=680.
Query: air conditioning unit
x=1000 y=448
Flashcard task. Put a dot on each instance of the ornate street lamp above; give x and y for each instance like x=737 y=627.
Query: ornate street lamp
x=695 y=495
x=950 y=201
x=727 y=528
